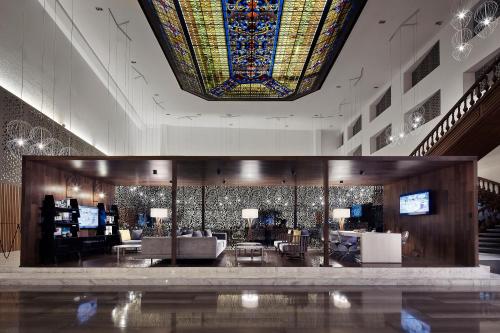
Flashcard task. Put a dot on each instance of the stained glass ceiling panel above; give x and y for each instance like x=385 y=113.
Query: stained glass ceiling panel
x=251 y=49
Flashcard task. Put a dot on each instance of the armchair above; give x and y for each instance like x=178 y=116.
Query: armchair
x=297 y=245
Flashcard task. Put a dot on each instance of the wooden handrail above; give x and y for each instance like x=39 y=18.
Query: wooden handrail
x=465 y=104
x=488 y=185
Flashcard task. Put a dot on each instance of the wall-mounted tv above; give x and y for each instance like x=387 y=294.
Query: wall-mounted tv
x=89 y=217
x=417 y=203
x=356 y=211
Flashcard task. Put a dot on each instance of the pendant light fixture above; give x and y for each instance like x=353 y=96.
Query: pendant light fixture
x=486 y=18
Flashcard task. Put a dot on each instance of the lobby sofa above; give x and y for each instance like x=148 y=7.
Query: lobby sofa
x=187 y=247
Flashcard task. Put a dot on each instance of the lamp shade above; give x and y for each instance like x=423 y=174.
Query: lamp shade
x=160 y=212
x=341 y=213
x=250 y=213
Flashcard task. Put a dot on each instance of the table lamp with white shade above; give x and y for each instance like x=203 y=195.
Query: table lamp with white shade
x=341 y=214
x=249 y=214
x=159 y=214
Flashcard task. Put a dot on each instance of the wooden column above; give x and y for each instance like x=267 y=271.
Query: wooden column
x=173 y=261
x=203 y=208
x=326 y=215
x=295 y=220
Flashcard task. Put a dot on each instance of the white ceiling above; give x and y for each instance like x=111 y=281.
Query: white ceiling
x=367 y=47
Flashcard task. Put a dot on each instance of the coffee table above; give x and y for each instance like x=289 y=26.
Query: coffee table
x=125 y=247
x=255 y=249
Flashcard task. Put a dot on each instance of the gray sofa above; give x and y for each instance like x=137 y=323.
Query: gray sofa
x=187 y=247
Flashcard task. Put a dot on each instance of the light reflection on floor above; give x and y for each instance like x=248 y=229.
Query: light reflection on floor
x=361 y=309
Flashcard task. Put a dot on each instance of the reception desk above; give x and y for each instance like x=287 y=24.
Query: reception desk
x=378 y=247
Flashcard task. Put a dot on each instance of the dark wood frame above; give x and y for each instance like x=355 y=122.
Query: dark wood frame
x=457 y=173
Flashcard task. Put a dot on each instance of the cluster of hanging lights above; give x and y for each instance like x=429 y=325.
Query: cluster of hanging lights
x=484 y=25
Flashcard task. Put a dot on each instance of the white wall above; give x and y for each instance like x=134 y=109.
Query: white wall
x=183 y=140
x=489 y=166
x=103 y=117
x=449 y=77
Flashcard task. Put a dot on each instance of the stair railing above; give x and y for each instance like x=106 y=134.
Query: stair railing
x=464 y=106
x=489 y=185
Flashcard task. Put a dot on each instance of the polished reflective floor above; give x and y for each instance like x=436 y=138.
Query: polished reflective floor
x=313 y=258
x=367 y=309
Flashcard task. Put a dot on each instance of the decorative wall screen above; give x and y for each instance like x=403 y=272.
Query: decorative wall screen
x=431 y=109
x=384 y=103
x=251 y=49
x=429 y=63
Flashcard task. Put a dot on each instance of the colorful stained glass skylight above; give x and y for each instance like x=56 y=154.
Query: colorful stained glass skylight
x=251 y=49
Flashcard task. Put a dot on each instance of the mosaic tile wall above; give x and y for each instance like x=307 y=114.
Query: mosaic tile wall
x=224 y=203
x=11 y=108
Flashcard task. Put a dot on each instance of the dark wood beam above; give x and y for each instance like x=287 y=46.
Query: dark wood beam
x=203 y=189
x=326 y=215
x=173 y=261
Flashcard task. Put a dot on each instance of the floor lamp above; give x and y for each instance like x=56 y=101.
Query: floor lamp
x=250 y=214
x=341 y=214
x=159 y=214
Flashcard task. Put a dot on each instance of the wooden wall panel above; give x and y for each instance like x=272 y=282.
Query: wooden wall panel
x=10 y=217
x=39 y=180
x=449 y=236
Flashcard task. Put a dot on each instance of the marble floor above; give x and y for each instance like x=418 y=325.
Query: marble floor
x=227 y=259
x=354 y=309
x=313 y=258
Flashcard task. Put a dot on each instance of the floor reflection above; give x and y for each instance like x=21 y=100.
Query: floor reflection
x=331 y=310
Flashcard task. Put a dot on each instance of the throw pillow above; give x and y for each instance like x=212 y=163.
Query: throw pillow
x=197 y=233
x=125 y=235
x=208 y=233
x=136 y=234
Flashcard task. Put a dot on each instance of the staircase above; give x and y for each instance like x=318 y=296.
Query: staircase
x=489 y=212
x=470 y=128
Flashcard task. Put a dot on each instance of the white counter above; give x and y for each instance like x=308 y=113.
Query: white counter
x=378 y=247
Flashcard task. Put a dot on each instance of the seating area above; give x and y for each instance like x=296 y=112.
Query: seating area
x=196 y=221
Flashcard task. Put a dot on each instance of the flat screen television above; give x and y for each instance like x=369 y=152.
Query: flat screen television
x=356 y=211
x=417 y=203
x=89 y=217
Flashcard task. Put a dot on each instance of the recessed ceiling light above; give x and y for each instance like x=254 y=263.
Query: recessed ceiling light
x=439 y=22
x=134 y=62
x=341 y=115
x=292 y=115
x=339 y=86
x=375 y=87
x=316 y=115
x=99 y=9
x=382 y=21
x=167 y=114
x=157 y=95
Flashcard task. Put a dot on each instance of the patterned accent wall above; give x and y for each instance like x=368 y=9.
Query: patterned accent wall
x=12 y=108
x=224 y=203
